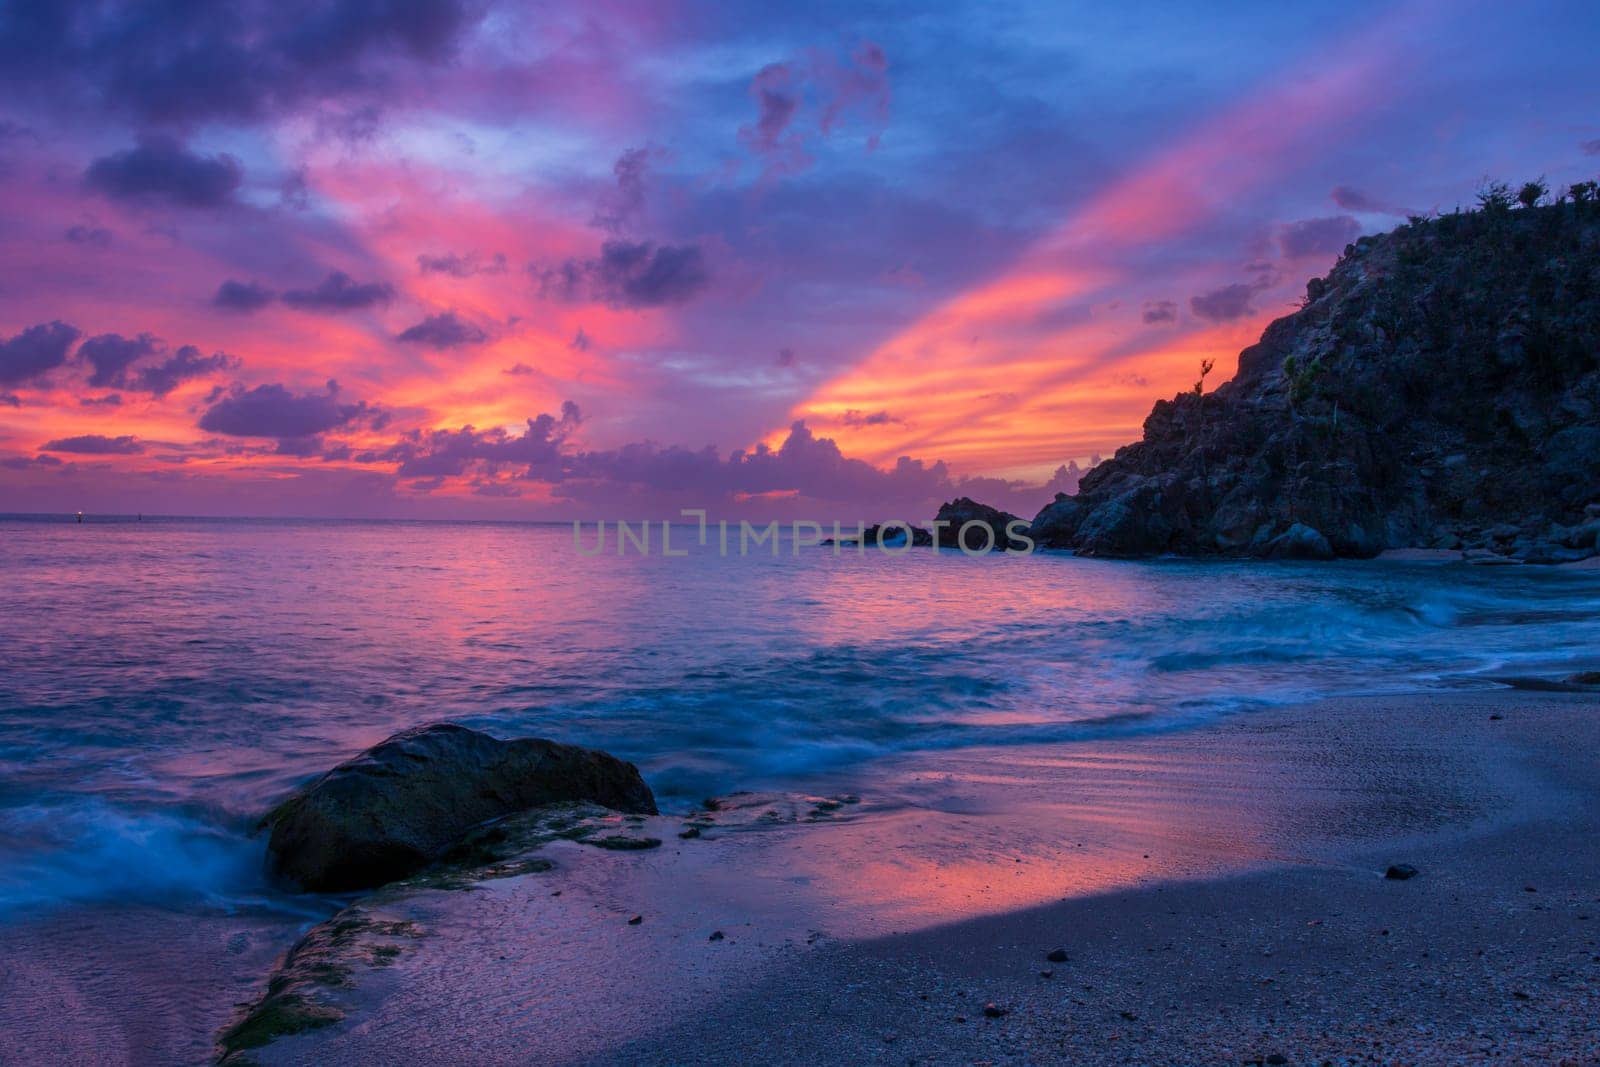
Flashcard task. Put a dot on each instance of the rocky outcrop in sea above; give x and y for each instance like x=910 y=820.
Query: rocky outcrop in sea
x=1440 y=388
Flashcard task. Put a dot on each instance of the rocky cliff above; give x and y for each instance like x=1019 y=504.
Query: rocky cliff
x=1439 y=388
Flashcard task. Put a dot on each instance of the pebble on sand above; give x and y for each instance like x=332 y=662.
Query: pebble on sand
x=1399 y=872
x=992 y=1010
x=1056 y=955
x=636 y=920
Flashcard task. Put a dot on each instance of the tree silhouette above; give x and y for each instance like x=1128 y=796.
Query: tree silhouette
x=1532 y=192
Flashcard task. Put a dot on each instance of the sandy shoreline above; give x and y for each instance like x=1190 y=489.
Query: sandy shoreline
x=1224 y=902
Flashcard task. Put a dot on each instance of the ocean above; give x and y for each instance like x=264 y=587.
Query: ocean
x=164 y=682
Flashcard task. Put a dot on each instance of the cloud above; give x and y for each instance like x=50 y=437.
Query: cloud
x=448 y=453
x=630 y=274
x=1356 y=200
x=190 y=63
x=110 y=400
x=245 y=297
x=517 y=370
x=161 y=169
x=1317 y=237
x=622 y=205
x=339 y=292
x=859 y=419
x=1225 y=304
x=94 y=444
x=34 y=351
x=111 y=354
x=273 y=411
x=1157 y=311
x=803 y=99
x=185 y=365
x=458 y=266
x=1591 y=148
x=22 y=463
x=89 y=235
x=445 y=330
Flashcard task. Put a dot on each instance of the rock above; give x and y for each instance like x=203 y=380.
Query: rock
x=1584 y=678
x=1056 y=955
x=1299 y=542
x=399 y=805
x=887 y=536
x=992 y=1010
x=1399 y=872
x=689 y=833
x=965 y=523
x=1056 y=525
x=716 y=935
x=1379 y=416
x=636 y=920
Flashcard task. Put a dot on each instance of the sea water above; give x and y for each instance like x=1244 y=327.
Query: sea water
x=164 y=682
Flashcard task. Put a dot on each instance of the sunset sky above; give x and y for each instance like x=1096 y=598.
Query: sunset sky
x=462 y=259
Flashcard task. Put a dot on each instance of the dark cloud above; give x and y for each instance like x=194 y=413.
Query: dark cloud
x=622 y=205
x=188 y=62
x=858 y=419
x=339 y=292
x=580 y=342
x=110 y=400
x=786 y=357
x=273 y=411
x=459 y=266
x=631 y=274
x=445 y=330
x=1156 y=311
x=10 y=400
x=1225 y=304
x=89 y=234
x=234 y=295
x=1356 y=200
x=1317 y=237
x=112 y=357
x=34 y=351
x=111 y=354
x=1591 y=148
x=448 y=453
x=94 y=444
x=22 y=463
x=184 y=365
x=161 y=169
x=518 y=370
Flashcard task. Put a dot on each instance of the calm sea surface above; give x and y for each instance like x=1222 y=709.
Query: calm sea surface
x=163 y=682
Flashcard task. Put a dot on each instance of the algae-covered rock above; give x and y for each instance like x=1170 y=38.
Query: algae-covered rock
x=402 y=803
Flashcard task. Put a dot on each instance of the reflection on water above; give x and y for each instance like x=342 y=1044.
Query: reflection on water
x=165 y=681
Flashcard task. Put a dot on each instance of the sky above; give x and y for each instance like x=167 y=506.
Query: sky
x=473 y=259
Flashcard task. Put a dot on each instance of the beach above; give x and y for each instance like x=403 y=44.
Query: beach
x=1219 y=893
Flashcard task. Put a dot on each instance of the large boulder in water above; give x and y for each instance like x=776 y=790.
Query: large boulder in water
x=396 y=807
x=961 y=522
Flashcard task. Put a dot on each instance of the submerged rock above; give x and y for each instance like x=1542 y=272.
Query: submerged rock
x=401 y=804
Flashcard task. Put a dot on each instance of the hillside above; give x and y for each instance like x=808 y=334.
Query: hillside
x=1439 y=388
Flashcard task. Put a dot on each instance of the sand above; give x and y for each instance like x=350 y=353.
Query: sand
x=1219 y=893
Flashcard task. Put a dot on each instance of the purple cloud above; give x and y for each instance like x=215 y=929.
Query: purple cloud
x=459 y=266
x=161 y=169
x=186 y=364
x=1225 y=304
x=631 y=274
x=245 y=297
x=111 y=354
x=273 y=411
x=445 y=330
x=339 y=292
x=94 y=444
x=34 y=351
x=1317 y=237
x=1158 y=311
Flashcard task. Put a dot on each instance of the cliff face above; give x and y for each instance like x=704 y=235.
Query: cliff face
x=1440 y=388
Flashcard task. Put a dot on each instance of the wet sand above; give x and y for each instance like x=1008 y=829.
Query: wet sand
x=1219 y=893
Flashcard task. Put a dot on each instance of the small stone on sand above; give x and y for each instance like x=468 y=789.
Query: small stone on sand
x=1399 y=872
x=1056 y=955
